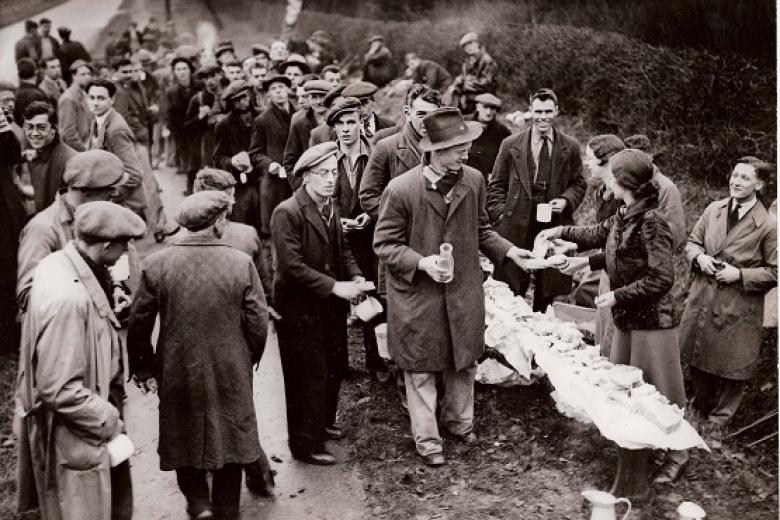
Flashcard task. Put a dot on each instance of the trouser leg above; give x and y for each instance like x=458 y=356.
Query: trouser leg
x=705 y=391
x=421 y=399
x=193 y=485
x=226 y=491
x=334 y=386
x=258 y=473
x=730 y=394
x=374 y=362
x=457 y=411
x=121 y=492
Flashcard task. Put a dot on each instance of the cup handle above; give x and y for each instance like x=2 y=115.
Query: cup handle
x=628 y=504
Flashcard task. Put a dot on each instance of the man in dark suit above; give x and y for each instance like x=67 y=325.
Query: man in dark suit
x=110 y=132
x=28 y=91
x=485 y=147
x=232 y=137
x=69 y=52
x=538 y=166
x=399 y=152
x=372 y=122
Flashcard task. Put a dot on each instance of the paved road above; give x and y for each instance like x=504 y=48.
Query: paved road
x=86 y=18
x=302 y=491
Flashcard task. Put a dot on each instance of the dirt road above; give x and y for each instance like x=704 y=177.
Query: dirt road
x=302 y=491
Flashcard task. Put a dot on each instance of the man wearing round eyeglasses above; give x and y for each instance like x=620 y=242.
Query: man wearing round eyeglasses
x=46 y=154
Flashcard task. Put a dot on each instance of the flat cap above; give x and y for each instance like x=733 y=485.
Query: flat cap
x=223 y=46
x=342 y=106
x=468 y=38
x=276 y=78
x=93 y=170
x=333 y=94
x=208 y=70
x=314 y=156
x=259 y=48
x=360 y=89
x=103 y=221
x=488 y=99
x=212 y=179
x=235 y=89
x=317 y=86
x=200 y=210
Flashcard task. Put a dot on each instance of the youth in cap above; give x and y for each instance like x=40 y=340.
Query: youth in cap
x=317 y=86
x=342 y=106
x=360 y=89
x=489 y=100
x=202 y=209
x=94 y=170
x=235 y=89
x=314 y=156
x=276 y=78
x=103 y=221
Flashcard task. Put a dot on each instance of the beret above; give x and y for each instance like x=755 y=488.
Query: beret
x=468 y=38
x=276 y=78
x=488 y=99
x=93 y=170
x=200 y=210
x=314 y=156
x=342 y=106
x=213 y=179
x=260 y=49
x=360 y=89
x=315 y=86
x=103 y=221
x=333 y=94
x=235 y=89
x=376 y=38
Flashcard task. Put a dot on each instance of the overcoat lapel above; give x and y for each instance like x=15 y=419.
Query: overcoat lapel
x=520 y=155
x=560 y=149
x=312 y=214
x=459 y=191
x=747 y=224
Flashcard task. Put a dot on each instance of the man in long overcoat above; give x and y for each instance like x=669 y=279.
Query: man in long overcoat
x=315 y=279
x=539 y=165
x=213 y=326
x=71 y=367
x=435 y=318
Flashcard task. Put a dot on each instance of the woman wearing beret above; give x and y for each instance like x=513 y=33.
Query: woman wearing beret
x=637 y=257
x=733 y=255
x=316 y=276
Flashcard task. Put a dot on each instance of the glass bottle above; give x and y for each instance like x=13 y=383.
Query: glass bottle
x=445 y=261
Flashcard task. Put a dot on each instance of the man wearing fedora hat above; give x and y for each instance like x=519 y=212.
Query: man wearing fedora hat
x=539 y=165
x=301 y=126
x=439 y=201
x=477 y=73
x=378 y=67
x=324 y=132
x=485 y=147
x=232 y=137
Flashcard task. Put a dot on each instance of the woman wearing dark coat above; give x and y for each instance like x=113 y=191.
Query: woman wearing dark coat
x=637 y=256
x=316 y=277
x=12 y=220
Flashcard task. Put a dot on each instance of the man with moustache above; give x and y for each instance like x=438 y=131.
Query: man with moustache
x=232 y=137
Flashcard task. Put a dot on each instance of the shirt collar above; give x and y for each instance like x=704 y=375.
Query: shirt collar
x=745 y=206
x=102 y=119
x=340 y=153
x=536 y=136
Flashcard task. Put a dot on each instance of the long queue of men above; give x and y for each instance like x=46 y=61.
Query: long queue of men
x=301 y=200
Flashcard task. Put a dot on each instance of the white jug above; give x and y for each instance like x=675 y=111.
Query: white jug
x=604 y=505
x=690 y=511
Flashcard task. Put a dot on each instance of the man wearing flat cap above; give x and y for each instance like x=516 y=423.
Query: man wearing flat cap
x=435 y=315
x=541 y=165
x=324 y=132
x=213 y=326
x=70 y=391
x=315 y=279
x=477 y=74
x=205 y=110
x=232 y=137
x=378 y=66
x=485 y=147
x=301 y=126
x=224 y=52
x=89 y=176
x=372 y=122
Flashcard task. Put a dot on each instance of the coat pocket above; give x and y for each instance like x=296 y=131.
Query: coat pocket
x=76 y=452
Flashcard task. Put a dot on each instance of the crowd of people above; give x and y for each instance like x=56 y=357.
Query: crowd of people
x=301 y=201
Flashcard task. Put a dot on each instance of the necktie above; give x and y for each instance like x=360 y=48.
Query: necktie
x=327 y=211
x=543 y=167
x=733 y=217
x=367 y=128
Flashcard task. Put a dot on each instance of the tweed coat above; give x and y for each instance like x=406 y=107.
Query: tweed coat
x=232 y=136
x=213 y=325
x=75 y=119
x=71 y=360
x=720 y=331
x=119 y=140
x=245 y=238
x=270 y=131
x=431 y=326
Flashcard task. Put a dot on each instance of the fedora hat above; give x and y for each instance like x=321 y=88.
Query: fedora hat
x=445 y=128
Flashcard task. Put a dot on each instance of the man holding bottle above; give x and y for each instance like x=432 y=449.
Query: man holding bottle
x=441 y=201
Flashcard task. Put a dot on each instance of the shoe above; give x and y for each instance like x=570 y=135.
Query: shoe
x=321 y=458
x=669 y=472
x=333 y=433
x=434 y=459
x=186 y=193
x=259 y=487
x=206 y=514
x=469 y=439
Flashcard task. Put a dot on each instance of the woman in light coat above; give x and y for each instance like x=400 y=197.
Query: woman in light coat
x=734 y=263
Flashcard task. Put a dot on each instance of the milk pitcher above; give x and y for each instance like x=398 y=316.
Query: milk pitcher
x=603 y=505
